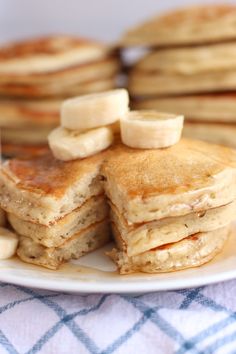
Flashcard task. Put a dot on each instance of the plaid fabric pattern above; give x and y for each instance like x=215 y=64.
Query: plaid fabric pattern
x=195 y=321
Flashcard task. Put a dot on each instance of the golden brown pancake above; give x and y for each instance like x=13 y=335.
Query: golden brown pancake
x=139 y=238
x=93 y=210
x=19 y=113
x=216 y=133
x=83 y=79
x=191 y=60
x=190 y=176
x=40 y=57
x=81 y=243
x=192 y=251
x=208 y=107
x=43 y=189
x=186 y=26
x=23 y=151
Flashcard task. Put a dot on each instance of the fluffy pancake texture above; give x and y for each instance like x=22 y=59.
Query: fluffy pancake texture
x=189 y=67
x=44 y=189
x=139 y=238
x=192 y=251
x=92 y=211
x=81 y=243
x=36 y=75
x=187 y=177
x=190 y=25
x=202 y=108
x=47 y=55
x=223 y=134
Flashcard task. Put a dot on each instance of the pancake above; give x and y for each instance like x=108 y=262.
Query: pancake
x=201 y=108
x=44 y=56
x=192 y=251
x=80 y=80
x=85 y=241
x=190 y=61
x=186 y=26
x=23 y=151
x=43 y=189
x=25 y=136
x=92 y=211
x=2 y=218
x=139 y=238
x=142 y=83
x=18 y=113
x=190 y=176
x=223 y=134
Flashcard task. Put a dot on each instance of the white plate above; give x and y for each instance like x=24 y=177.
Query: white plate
x=95 y=273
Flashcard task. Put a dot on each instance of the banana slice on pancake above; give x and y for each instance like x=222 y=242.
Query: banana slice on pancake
x=69 y=145
x=94 y=110
x=8 y=243
x=151 y=129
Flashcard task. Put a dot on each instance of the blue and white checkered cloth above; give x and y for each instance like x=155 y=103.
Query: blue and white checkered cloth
x=201 y=320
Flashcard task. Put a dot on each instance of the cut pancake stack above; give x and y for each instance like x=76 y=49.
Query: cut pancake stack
x=171 y=201
x=190 y=69
x=58 y=208
x=36 y=75
x=170 y=208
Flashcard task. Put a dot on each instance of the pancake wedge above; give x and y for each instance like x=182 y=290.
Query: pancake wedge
x=190 y=176
x=43 y=189
x=92 y=211
x=81 y=243
x=139 y=238
x=192 y=251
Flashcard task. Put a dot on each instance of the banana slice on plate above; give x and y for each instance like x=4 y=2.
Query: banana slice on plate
x=151 y=129
x=95 y=110
x=8 y=243
x=69 y=145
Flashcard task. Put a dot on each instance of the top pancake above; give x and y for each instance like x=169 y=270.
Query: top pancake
x=43 y=189
x=191 y=25
x=151 y=184
x=47 y=55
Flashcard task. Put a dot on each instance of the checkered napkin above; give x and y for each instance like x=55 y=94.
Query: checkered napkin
x=194 y=321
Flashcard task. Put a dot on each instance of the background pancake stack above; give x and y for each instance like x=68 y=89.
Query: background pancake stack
x=36 y=75
x=190 y=69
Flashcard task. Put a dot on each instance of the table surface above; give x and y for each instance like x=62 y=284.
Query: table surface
x=201 y=320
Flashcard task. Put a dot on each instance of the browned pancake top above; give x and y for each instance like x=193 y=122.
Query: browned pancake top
x=186 y=166
x=196 y=14
x=52 y=45
x=47 y=175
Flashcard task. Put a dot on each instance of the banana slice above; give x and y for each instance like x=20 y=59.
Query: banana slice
x=150 y=129
x=8 y=243
x=95 y=110
x=69 y=145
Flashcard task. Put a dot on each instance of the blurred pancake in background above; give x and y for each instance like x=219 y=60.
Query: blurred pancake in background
x=187 y=26
x=189 y=69
x=37 y=75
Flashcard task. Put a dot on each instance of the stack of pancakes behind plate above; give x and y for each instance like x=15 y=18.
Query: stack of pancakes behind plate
x=170 y=208
x=36 y=75
x=190 y=69
x=58 y=208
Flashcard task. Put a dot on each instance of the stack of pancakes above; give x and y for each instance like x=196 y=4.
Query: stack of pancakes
x=59 y=208
x=36 y=75
x=190 y=69
x=169 y=208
